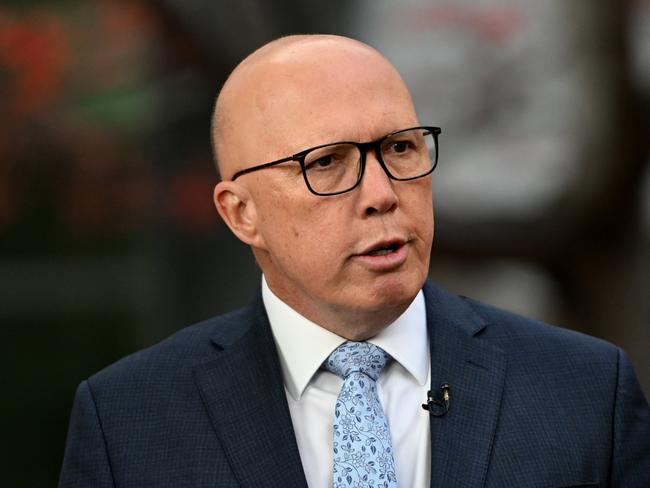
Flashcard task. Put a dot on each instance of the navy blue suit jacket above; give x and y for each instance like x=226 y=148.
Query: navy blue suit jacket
x=531 y=406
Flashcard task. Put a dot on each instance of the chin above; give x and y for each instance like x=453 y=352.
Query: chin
x=395 y=291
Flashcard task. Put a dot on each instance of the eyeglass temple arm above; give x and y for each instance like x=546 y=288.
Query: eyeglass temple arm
x=261 y=166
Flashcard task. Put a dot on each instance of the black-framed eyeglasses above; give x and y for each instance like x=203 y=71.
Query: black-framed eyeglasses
x=331 y=169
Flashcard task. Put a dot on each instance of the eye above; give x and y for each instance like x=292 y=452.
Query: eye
x=402 y=147
x=399 y=146
x=322 y=162
x=326 y=159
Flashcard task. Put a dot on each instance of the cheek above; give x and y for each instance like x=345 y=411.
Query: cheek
x=419 y=203
x=293 y=227
x=420 y=207
x=316 y=239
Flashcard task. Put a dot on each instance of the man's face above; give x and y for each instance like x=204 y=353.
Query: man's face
x=354 y=257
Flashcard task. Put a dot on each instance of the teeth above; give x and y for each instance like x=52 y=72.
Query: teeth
x=381 y=252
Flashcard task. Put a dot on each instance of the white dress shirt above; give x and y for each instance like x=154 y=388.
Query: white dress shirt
x=312 y=391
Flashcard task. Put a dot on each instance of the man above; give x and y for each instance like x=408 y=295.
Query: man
x=321 y=381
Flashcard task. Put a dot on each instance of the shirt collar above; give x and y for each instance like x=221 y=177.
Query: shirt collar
x=303 y=345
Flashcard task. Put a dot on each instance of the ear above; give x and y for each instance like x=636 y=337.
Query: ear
x=237 y=209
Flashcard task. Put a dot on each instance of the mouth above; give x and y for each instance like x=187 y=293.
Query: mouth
x=383 y=249
x=384 y=255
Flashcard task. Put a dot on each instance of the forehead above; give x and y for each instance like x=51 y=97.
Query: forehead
x=314 y=94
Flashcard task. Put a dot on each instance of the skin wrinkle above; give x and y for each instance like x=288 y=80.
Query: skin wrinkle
x=300 y=92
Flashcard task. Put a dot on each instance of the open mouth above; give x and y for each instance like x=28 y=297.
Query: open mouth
x=383 y=250
x=385 y=255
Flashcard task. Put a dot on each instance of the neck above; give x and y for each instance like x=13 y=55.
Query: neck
x=351 y=323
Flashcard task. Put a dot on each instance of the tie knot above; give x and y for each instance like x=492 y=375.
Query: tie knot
x=357 y=357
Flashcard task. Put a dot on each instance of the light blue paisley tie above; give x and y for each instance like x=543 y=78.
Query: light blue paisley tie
x=363 y=455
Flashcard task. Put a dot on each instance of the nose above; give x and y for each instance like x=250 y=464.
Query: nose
x=376 y=193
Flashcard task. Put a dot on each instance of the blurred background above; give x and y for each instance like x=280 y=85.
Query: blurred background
x=108 y=237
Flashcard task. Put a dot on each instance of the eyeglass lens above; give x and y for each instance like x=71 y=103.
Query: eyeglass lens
x=337 y=167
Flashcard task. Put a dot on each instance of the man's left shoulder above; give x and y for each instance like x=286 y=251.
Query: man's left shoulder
x=531 y=343
x=503 y=325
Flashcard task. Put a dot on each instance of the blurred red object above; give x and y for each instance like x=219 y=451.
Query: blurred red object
x=34 y=54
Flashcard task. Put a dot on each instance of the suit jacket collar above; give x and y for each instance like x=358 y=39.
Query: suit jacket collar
x=461 y=440
x=243 y=392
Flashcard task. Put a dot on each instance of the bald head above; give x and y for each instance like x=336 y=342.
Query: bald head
x=280 y=84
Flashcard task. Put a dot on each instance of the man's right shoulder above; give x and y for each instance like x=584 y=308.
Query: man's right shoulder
x=174 y=358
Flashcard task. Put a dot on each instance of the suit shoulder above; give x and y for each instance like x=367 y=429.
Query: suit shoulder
x=552 y=357
x=523 y=335
x=174 y=356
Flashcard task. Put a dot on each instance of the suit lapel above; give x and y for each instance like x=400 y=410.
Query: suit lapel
x=243 y=392
x=461 y=441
